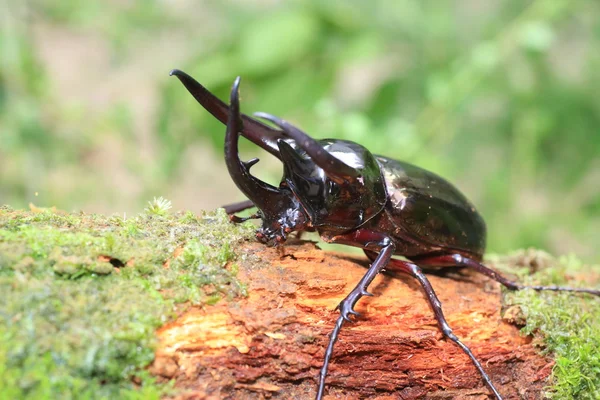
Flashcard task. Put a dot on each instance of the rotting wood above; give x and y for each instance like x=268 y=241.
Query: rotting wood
x=271 y=343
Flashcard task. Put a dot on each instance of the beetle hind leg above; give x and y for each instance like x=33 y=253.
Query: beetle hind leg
x=459 y=260
x=416 y=272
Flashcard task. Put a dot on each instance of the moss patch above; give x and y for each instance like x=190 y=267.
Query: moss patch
x=566 y=325
x=83 y=294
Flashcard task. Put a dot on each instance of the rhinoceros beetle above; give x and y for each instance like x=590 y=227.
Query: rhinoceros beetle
x=350 y=196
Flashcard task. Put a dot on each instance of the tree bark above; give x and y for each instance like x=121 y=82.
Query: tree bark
x=271 y=343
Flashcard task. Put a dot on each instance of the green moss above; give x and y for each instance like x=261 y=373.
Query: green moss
x=72 y=325
x=566 y=325
x=158 y=206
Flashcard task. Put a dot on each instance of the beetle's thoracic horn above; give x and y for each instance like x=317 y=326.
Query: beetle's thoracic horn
x=263 y=195
x=335 y=168
x=255 y=131
x=292 y=160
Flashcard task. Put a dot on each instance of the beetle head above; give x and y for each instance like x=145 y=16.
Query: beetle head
x=329 y=184
x=280 y=210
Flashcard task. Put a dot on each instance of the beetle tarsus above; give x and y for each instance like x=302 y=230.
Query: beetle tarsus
x=459 y=260
x=237 y=207
x=238 y=220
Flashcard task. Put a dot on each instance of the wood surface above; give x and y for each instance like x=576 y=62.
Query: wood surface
x=271 y=344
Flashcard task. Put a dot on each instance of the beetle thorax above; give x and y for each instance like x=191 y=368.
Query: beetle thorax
x=335 y=203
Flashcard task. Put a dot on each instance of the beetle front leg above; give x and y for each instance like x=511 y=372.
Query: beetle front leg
x=237 y=207
x=365 y=238
x=233 y=208
x=238 y=220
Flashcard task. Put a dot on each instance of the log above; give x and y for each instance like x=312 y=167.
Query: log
x=270 y=344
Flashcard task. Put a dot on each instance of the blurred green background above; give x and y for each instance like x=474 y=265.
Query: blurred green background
x=500 y=97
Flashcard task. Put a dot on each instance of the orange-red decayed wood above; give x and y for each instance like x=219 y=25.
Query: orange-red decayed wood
x=271 y=343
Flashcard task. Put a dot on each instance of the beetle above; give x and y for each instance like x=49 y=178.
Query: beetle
x=350 y=196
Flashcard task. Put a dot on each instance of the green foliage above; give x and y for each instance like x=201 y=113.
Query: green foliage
x=504 y=107
x=265 y=46
x=569 y=325
x=74 y=326
x=500 y=98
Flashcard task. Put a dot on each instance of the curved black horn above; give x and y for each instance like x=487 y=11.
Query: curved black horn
x=333 y=167
x=263 y=195
x=255 y=131
x=291 y=158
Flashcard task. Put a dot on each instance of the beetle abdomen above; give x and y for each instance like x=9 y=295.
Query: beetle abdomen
x=430 y=210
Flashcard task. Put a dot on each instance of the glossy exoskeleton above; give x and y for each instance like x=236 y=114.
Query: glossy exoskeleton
x=350 y=196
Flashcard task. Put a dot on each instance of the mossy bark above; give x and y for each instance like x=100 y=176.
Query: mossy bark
x=271 y=343
x=89 y=299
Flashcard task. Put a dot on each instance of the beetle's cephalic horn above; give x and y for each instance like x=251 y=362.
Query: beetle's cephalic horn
x=335 y=168
x=263 y=195
x=255 y=131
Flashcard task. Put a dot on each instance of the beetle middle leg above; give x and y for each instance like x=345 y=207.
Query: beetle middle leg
x=413 y=270
x=459 y=260
x=346 y=306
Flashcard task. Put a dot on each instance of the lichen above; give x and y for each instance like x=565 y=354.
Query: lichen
x=565 y=325
x=83 y=294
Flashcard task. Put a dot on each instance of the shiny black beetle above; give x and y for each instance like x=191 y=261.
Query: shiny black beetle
x=350 y=196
